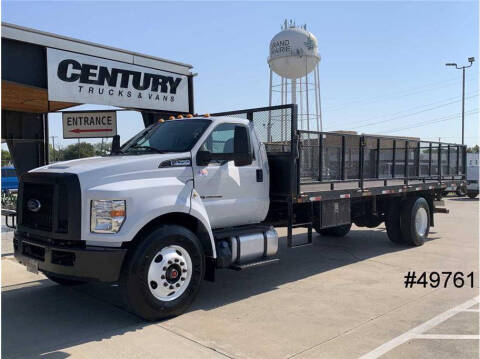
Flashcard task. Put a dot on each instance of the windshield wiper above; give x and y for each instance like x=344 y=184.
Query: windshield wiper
x=148 y=148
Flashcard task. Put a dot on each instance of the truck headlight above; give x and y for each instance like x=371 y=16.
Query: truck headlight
x=107 y=216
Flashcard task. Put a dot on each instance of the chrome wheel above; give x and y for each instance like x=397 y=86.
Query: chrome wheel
x=169 y=273
x=421 y=221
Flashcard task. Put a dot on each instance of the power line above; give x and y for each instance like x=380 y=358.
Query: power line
x=396 y=95
x=449 y=136
x=413 y=113
x=458 y=99
x=440 y=119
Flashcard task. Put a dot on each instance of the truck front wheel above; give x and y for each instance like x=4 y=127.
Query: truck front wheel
x=162 y=276
x=415 y=220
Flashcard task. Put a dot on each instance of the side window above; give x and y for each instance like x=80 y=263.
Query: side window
x=221 y=140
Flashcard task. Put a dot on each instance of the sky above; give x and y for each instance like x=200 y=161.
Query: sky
x=382 y=66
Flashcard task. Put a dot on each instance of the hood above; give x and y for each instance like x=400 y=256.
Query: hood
x=101 y=170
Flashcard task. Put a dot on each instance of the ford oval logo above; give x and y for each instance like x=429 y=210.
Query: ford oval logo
x=34 y=205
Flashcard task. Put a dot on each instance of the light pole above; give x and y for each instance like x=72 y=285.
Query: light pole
x=470 y=60
x=53 y=146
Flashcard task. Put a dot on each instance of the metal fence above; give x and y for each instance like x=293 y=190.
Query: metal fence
x=329 y=157
x=273 y=125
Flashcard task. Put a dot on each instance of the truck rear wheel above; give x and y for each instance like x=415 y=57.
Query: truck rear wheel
x=339 y=231
x=415 y=220
x=162 y=276
x=392 y=222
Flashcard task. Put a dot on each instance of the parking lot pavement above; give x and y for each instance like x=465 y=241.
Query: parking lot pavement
x=7 y=236
x=339 y=298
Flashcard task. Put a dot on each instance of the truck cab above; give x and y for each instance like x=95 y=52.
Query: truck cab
x=177 y=180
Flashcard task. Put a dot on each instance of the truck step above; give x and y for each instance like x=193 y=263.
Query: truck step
x=306 y=244
x=309 y=241
x=307 y=224
x=239 y=267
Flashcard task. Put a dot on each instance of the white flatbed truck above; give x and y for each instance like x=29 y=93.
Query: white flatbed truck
x=188 y=196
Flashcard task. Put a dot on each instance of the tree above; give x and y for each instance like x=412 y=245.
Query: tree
x=102 y=150
x=71 y=152
x=473 y=149
x=55 y=155
x=6 y=156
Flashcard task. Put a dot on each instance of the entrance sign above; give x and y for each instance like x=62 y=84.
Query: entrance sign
x=89 y=124
x=80 y=78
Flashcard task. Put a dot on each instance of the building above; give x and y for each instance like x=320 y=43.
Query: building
x=44 y=72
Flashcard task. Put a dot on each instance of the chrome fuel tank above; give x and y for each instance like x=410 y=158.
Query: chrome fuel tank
x=251 y=247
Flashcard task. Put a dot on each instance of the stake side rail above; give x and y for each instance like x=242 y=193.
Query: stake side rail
x=306 y=164
x=336 y=165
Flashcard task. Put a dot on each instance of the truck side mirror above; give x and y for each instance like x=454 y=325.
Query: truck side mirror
x=203 y=158
x=241 y=147
x=115 y=144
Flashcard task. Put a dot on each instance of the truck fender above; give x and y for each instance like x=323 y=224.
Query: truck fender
x=189 y=210
x=197 y=209
x=144 y=209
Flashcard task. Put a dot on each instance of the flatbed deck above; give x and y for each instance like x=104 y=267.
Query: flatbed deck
x=333 y=190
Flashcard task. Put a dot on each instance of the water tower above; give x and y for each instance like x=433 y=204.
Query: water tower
x=293 y=58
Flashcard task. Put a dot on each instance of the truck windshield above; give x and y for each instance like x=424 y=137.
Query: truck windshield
x=169 y=136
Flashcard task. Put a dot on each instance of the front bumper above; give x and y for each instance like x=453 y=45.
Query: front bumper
x=88 y=263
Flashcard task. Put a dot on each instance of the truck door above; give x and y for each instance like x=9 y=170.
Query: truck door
x=232 y=195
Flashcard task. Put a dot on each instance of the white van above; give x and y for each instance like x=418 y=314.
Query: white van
x=472 y=175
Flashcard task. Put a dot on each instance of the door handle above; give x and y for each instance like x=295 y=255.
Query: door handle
x=259 y=175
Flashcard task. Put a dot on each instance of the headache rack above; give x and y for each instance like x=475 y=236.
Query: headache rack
x=310 y=166
x=373 y=164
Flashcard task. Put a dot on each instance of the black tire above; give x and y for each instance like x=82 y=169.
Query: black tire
x=321 y=231
x=339 y=231
x=368 y=221
x=392 y=222
x=472 y=194
x=410 y=208
x=134 y=278
x=374 y=222
x=63 y=281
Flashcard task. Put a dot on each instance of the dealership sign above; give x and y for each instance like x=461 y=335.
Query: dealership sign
x=89 y=124
x=80 y=78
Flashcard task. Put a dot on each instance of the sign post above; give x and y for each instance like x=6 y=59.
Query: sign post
x=91 y=124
